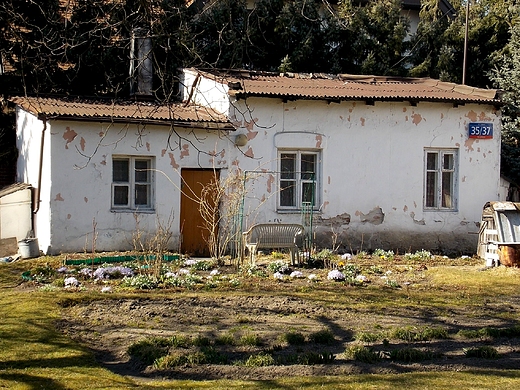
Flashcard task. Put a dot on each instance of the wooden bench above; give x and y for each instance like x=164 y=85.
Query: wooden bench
x=272 y=236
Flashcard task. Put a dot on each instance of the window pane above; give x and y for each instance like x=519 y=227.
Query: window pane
x=287 y=193
x=121 y=195
x=308 y=192
x=447 y=189
x=142 y=195
x=142 y=172
x=308 y=166
x=431 y=161
x=431 y=184
x=120 y=171
x=447 y=161
x=288 y=165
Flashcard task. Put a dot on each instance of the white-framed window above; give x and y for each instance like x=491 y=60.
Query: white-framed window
x=298 y=179
x=440 y=179
x=132 y=183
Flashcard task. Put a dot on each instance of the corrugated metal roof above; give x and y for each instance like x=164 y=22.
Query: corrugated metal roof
x=121 y=111
x=243 y=83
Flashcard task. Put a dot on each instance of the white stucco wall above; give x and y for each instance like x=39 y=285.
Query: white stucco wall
x=78 y=182
x=28 y=141
x=373 y=162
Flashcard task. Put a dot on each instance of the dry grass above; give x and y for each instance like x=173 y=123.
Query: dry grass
x=33 y=354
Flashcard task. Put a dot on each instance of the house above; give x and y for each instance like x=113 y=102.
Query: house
x=395 y=163
x=107 y=175
x=364 y=162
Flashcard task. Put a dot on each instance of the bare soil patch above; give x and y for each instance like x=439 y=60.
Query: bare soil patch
x=110 y=326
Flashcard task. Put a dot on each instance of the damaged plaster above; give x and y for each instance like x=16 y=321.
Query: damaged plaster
x=374 y=216
x=337 y=221
x=69 y=135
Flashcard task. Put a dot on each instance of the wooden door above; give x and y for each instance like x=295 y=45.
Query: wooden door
x=192 y=226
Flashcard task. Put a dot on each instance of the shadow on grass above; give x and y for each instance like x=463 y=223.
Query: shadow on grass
x=32 y=381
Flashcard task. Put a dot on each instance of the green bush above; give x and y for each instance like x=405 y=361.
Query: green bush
x=410 y=355
x=363 y=354
x=311 y=358
x=260 y=360
x=148 y=350
x=278 y=266
x=367 y=337
x=225 y=339
x=251 y=339
x=293 y=338
x=412 y=334
x=324 y=336
x=385 y=255
x=485 y=352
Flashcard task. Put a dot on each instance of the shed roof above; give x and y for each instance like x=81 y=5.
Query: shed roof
x=10 y=189
x=125 y=111
x=245 y=83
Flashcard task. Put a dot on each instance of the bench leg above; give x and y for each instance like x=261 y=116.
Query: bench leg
x=295 y=260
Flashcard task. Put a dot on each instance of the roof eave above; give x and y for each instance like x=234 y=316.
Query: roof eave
x=201 y=125
x=244 y=95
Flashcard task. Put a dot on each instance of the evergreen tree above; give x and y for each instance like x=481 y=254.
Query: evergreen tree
x=507 y=77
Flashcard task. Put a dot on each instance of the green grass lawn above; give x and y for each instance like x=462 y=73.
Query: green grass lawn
x=34 y=355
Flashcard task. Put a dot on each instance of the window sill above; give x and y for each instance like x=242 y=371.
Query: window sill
x=441 y=210
x=295 y=211
x=133 y=211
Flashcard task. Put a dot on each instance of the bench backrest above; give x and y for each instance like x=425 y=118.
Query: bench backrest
x=273 y=234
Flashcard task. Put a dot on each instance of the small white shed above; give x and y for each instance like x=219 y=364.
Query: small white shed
x=15 y=211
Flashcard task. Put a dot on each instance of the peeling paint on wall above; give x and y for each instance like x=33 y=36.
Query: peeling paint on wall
x=85 y=199
x=250 y=125
x=104 y=161
x=472 y=115
x=173 y=163
x=404 y=109
x=251 y=134
x=325 y=204
x=362 y=121
x=58 y=197
x=69 y=136
x=328 y=179
x=405 y=208
x=235 y=162
x=319 y=139
x=416 y=119
x=82 y=144
x=374 y=216
x=418 y=222
x=270 y=181
x=249 y=153
x=185 y=152
x=469 y=144
x=148 y=146
x=69 y=216
x=163 y=152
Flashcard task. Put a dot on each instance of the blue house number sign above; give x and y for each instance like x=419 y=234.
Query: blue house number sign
x=480 y=130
